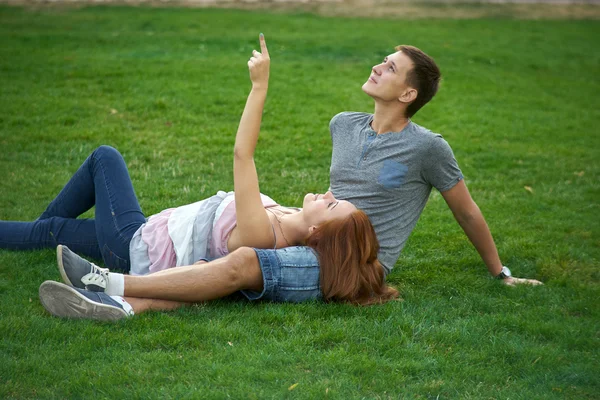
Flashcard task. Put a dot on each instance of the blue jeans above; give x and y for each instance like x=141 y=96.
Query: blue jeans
x=102 y=181
x=291 y=274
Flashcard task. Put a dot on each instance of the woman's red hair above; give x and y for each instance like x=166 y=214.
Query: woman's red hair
x=350 y=271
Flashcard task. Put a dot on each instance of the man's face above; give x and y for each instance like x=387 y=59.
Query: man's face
x=388 y=79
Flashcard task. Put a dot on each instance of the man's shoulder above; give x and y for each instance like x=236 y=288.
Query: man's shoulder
x=426 y=139
x=349 y=118
x=432 y=147
x=424 y=132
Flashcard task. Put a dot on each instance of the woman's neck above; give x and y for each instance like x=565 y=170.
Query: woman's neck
x=294 y=227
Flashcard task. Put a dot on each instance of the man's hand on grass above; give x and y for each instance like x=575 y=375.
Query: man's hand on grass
x=512 y=281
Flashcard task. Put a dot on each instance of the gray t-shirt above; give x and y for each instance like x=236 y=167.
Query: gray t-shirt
x=389 y=176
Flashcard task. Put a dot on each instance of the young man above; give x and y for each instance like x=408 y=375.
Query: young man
x=386 y=165
x=383 y=163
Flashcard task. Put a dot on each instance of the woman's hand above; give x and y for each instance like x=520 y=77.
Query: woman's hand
x=258 y=65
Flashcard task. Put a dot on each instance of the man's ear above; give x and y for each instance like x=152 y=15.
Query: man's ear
x=408 y=96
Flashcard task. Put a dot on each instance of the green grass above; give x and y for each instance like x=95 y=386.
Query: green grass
x=519 y=105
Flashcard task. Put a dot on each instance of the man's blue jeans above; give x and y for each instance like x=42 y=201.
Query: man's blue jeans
x=102 y=181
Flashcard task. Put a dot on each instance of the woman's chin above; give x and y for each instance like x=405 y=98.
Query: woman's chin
x=309 y=197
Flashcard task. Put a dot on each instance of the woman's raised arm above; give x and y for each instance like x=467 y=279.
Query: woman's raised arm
x=253 y=224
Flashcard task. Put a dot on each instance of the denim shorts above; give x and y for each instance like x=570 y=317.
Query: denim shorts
x=290 y=274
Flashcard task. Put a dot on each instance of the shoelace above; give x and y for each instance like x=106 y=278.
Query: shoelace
x=97 y=276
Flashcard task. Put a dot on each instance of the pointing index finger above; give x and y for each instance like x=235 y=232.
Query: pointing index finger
x=263 y=45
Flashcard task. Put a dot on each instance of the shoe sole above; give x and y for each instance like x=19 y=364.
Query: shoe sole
x=61 y=267
x=63 y=301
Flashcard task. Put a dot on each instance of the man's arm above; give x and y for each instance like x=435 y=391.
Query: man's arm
x=471 y=220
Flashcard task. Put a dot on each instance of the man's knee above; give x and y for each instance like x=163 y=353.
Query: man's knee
x=244 y=269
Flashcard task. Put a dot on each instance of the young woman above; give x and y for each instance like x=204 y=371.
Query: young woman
x=342 y=236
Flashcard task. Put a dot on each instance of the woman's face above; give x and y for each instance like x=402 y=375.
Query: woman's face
x=319 y=208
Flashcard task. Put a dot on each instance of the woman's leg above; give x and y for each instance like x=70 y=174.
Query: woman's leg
x=218 y=278
x=103 y=181
x=75 y=198
x=77 y=234
x=118 y=213
x=141 y=305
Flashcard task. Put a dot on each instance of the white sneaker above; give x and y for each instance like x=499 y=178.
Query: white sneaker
x=70 y=302
x=80 y=273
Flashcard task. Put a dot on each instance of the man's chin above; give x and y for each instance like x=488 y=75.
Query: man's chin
x=366 y=89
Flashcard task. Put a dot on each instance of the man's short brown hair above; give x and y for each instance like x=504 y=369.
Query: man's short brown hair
x=424 y=76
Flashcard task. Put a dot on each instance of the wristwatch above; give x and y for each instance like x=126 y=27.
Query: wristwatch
x=505 y=273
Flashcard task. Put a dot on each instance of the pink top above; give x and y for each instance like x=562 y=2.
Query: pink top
x=161 y=252
x=155 y=233
x=225 y=224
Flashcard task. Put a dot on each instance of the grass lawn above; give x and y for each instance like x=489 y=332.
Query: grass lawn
x=519 y=105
